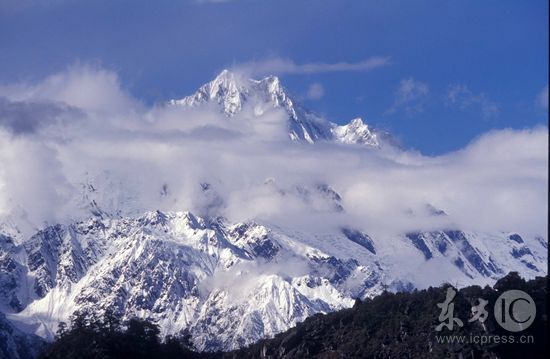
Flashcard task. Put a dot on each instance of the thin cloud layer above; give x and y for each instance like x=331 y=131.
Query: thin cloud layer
x=461 y=97
x=27 y=117
x=286 y=66
x=542 y=98
x=315 y=91
x=172 y=158
x=410 y=97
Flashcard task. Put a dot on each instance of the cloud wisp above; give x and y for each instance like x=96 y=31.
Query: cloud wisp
x=315 y=91
x=280 y=66
x=461 y=97
x=175 y=158
x=410 y=97
x=542 y=98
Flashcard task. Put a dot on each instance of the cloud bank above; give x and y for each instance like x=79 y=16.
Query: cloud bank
x=77 y=137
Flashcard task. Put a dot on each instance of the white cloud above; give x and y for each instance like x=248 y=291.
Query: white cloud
x=460 y=96
x=87 y=87
x=157 y=159
x=287 y=66
x=32 y=182
x=542 y=98
x=315 y=91
x=410 y=97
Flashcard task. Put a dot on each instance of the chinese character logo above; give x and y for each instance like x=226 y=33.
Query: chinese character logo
x=446 y=317
x=514 y=311
x=479 y=312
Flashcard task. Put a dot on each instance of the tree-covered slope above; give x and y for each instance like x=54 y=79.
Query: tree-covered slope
x=402 y=325
x=392 y=325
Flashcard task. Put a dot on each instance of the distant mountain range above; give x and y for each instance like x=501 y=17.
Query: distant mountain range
x=231 y=284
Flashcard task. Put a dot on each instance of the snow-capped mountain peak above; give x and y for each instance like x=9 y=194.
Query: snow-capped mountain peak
x=226 y=90
x=356 y=132
x=232 y=92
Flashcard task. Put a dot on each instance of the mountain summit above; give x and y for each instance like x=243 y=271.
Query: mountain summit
x=231 y=92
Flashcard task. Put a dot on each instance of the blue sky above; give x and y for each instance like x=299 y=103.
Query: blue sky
x=456 y=69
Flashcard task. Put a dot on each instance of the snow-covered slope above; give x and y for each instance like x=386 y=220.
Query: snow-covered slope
x=231 y=284
x=232 y=93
